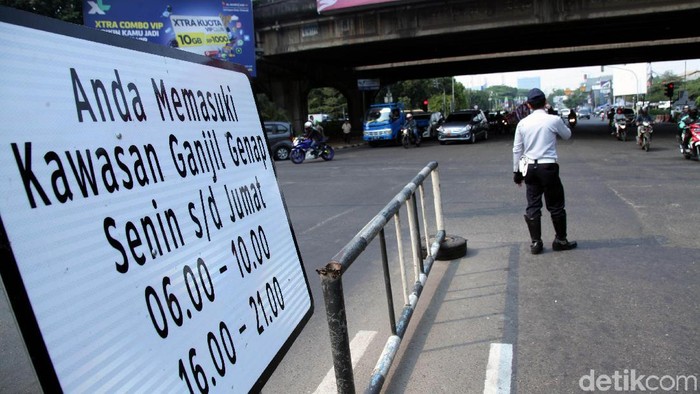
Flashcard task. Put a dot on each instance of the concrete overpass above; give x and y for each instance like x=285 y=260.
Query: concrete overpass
x=300 y=49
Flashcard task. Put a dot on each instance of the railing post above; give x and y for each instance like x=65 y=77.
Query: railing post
x=399 y=245
x=425 y=221
x=412 y=209
x=332 y=285
x=437 y=200
x=387 y=282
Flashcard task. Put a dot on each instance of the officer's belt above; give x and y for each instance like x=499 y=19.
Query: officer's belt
x=541 y=161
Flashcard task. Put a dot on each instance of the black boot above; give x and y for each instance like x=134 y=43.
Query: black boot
x=535 y=228
x=560 y=242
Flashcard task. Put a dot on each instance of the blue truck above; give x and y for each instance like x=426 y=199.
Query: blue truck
x=382 y=123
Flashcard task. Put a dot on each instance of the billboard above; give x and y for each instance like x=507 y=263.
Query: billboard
x=334 y=5
x=217 y=29
x=144 y=241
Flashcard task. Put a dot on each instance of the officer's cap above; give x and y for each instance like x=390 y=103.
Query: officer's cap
x=535 y=95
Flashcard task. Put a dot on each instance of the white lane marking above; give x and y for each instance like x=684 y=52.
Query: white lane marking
x=358 y=345
x=499 y=369
x=626 y=200
x=327 y=220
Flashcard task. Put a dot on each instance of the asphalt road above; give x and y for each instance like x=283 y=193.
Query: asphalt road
x=625 y=300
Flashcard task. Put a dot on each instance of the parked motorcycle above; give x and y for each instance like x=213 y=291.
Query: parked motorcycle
x=301 y=149
x=407 y=138
x=692 y=150
x=621 y=129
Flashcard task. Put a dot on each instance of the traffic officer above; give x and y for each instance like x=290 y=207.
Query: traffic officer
x=535 y=162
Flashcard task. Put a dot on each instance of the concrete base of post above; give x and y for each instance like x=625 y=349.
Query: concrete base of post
x=452 y=248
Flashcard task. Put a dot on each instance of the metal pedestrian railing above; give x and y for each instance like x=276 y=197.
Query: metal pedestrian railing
x=332 y=273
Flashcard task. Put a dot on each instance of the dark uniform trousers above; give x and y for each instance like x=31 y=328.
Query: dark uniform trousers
x=543 y=179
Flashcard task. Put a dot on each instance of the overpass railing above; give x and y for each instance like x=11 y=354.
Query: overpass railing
x=332 y=273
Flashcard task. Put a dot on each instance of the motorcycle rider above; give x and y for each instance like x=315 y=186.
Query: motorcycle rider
x=410 y=124
x=521 y=111
x=642 y=116
x=611 y=115
x=690 y=116
x=572 y=117
x=500 y=126
x=619 y=116
x=312 y=133
x=436 y=119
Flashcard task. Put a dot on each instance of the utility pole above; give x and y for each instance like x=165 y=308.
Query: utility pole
x=452 y=104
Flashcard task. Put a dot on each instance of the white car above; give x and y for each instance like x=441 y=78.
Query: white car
x=464 y=125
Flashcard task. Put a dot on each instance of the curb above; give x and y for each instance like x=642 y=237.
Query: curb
x=350 y=146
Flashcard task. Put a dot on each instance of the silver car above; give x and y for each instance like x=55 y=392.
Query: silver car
x=467 y=125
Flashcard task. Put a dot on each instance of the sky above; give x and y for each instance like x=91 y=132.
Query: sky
x=630 y=75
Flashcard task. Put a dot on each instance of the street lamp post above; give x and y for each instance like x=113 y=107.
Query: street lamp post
x=636 y=81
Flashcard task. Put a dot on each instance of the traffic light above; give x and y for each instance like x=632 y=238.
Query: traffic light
x=425 y=105
x=669 y=90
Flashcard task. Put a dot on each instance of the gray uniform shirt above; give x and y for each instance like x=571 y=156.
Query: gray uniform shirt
x=536 y=137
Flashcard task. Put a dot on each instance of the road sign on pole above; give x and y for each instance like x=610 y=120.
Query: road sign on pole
x=145 y=242
x=368 y=84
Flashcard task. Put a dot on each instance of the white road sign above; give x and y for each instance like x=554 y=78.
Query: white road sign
x=150 y=245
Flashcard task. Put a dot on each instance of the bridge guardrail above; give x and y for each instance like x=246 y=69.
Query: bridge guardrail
x=331 y=276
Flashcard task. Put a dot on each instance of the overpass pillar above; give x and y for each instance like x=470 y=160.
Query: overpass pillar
x=358 y=101
x=291 y=95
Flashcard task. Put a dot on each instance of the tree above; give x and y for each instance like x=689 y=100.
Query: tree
x=327 y=101
x=269 y=110
x=65 y=10
x=473 y=98
x=576 y=98
x=500 y=94
x=438 y=92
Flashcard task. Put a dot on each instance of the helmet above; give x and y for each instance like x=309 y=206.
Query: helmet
x=409 y=116
x=307 y=125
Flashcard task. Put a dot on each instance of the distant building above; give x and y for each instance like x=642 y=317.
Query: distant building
x=692 y=75
x=529 y=83
x=600 y=90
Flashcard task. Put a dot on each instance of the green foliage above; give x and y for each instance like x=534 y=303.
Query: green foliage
x=440 y=102
x=412 y=93
x=65 y=10
x=327 y=101
x=269 y=110
x=576 y=98
x=656 y=111
x=500 y=94
x=473 y=98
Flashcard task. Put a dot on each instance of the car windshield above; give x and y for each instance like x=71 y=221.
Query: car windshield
x=460 y=117
x=378 y=115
